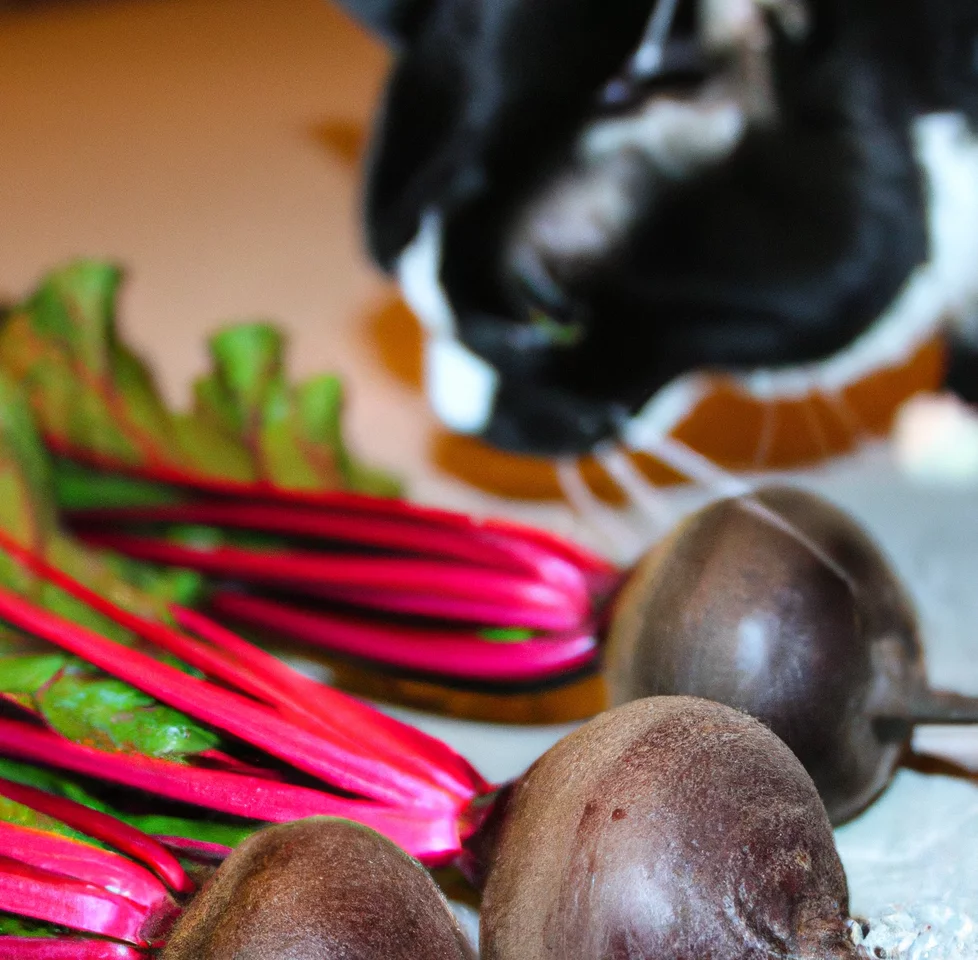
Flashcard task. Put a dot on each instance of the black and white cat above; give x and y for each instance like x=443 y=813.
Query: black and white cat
x=587 y=201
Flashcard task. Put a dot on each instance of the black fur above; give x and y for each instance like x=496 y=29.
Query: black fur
x=783 y=254
x=962 y=374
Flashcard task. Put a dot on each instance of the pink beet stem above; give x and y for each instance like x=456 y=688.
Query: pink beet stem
x=429 y=835
x=332 y=500
x=241 y=664
x=199 y=851
x=82 y=861
x=310 y=712
x=32 y=892
x=573 y=553
x=66 y=948
x=104 y=828
x=408 y=648
x=254 y=682
x=477 y=545
x=238 y=673
x=470 y=611
x=549 y=566
x=254 y=723
x=446 y=767
x=219 y=760
x=187 y=479
x=427 y=587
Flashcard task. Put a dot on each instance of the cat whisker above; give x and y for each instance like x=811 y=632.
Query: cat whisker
x=695 y=467
x=815 y=429
x=765 y=440
x=643 y=494
x=622 y=539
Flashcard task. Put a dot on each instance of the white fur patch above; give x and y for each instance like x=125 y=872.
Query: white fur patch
x=460 y=385
x=586 y=212
x=582 y=215
x=726 y=24
x=677 y=137
x=418 y=275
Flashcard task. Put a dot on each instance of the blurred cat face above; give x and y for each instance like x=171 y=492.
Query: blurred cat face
x=584 y=203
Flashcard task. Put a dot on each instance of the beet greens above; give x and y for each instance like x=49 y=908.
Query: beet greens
x=256 y=490
x=106 y=681
x=73 y=880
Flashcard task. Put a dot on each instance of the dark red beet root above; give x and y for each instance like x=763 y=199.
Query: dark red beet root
x=668 y=829
x=778 y=604
x=319 y=889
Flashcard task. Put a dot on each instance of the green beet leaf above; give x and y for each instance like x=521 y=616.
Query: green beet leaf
x=50 y=781
x=96 y=401
x=13 y=926
x=88 y=707
x=226 y=833
x=70 y=696
x=17 y=813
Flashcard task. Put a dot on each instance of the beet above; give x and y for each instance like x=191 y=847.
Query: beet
x=319 y=889
x=779 y=604
x=668 y=828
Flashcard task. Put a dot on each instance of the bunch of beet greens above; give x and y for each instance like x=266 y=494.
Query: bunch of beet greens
x=168 y=726
x=256 y=492
x=141 y=740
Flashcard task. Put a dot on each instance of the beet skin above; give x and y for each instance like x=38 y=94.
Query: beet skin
x=778 y=604
x=319 y=889
x=667 y=829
